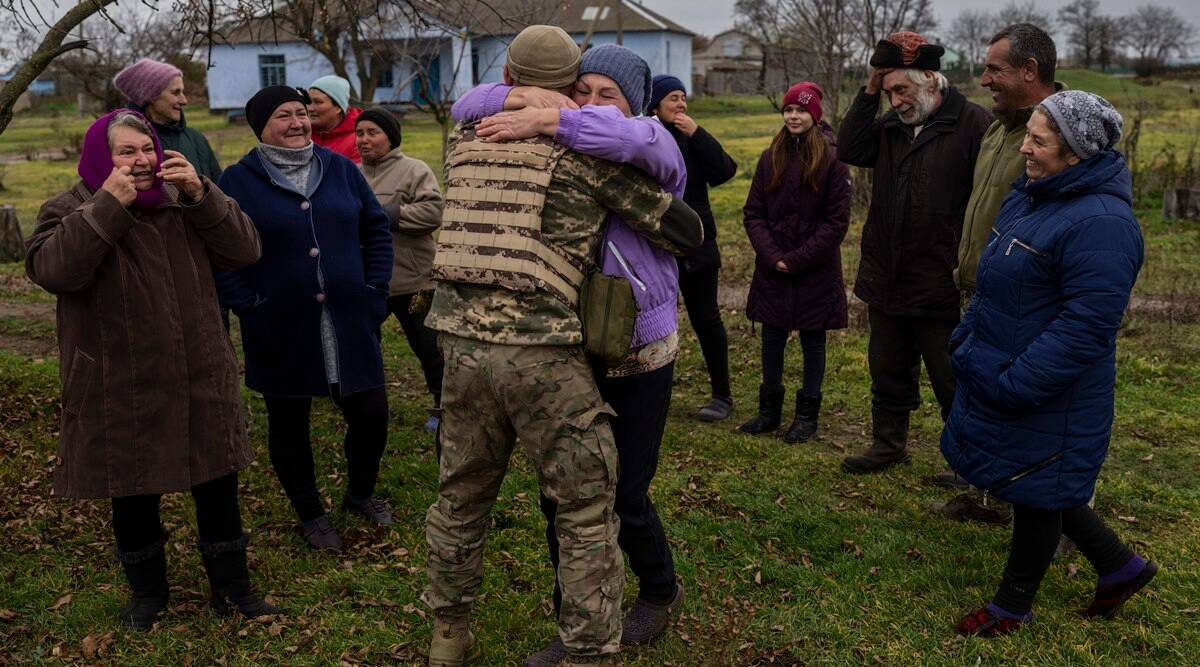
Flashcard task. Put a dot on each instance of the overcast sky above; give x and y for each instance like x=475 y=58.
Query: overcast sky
x=708 y=17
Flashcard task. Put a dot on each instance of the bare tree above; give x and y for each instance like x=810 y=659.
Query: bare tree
x=880 y=18
x=969 y=34
x=115 y=43
x=1111 y=37
x=53 y=44
x=1027 y=12
x=835 y=22
x=1082 y=19
x=1155 y=33
x=761 y=20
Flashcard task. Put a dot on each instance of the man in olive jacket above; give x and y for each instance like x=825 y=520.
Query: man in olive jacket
x=923 y=152
x=1019 y=70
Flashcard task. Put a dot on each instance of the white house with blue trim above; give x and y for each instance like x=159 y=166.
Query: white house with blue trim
x=456 y=54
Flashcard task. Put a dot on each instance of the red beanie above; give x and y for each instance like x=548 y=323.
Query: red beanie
x=808 y=95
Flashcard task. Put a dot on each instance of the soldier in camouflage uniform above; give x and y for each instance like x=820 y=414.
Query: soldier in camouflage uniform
x=516 y=372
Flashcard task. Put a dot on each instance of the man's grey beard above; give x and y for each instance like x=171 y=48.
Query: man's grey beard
x=923 y=107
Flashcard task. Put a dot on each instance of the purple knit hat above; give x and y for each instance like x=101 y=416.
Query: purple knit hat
x=143 y=81
x=95 y=160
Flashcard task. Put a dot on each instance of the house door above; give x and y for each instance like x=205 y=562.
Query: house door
x=428 y=87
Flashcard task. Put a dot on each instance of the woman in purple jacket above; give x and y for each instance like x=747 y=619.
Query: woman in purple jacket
x=613 y=86
x=796 y=215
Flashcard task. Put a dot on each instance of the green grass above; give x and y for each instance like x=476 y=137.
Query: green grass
x=787 y=561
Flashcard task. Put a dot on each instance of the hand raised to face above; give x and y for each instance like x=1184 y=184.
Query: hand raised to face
x=177 y=170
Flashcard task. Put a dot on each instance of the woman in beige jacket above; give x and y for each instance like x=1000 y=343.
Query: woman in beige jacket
x=409 y=193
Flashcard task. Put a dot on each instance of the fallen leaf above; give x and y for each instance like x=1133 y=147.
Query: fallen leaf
x=88 y=647
x=8 y=614
x=1128 y=519
x=1147 y=458
x=1072 y=570
x=758 y=578
x=66 y=599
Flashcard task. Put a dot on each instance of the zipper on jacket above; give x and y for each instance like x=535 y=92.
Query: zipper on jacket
x=1019 y=243
x=1022 y=474
x=621 y=260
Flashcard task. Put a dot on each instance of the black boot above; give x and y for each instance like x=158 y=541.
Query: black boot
x=770 y=410
x=229 y=580
x=889 y=437
x=146 y=571
x=804 y=425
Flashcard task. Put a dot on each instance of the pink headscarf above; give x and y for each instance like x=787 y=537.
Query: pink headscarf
x=95 y=161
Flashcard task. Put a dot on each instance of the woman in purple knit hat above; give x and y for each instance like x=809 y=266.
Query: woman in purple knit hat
x=150 y=398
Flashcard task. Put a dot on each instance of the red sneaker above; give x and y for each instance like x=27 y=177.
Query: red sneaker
x=984 y=623
x=1108 y=599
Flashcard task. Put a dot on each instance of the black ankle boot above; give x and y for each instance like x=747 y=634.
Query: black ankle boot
x=770 y=411
x=889 y=437
x=146 y=571
x=229 y=579
x=804 y=424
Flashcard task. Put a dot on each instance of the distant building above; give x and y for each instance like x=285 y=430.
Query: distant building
x=455 y=57
x=733 y=64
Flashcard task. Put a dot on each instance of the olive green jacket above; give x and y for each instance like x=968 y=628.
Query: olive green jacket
x=998 y=165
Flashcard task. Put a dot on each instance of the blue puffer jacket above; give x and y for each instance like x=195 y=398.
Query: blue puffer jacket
x=1035 y=352
x=340 y=232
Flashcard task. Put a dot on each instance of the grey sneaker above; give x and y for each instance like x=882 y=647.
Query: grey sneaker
x=550 y=656
x=372 y=509
x=646 y=621
x=717 y=409
x=321 y=535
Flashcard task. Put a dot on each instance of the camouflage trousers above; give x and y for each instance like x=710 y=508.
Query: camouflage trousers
x=544 y=397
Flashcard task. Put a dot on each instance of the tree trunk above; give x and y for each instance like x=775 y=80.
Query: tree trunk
x=51 y=47
x=1181 y=204
x=12 y=243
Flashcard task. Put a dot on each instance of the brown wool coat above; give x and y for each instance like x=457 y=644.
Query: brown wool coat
x=150 y=399
x=408 y=191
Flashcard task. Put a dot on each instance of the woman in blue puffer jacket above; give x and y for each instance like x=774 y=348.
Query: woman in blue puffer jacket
x=1035 y=356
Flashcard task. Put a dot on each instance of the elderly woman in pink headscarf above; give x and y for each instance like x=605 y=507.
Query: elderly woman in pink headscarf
x=150 y=398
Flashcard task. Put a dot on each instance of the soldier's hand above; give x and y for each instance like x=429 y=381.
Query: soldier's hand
x=176 y=169
x=875 y=81
x=685 y=124
x=523 y=124
x=524 y=97
x=120 y=185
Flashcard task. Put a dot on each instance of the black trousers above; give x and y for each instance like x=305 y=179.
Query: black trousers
x=700 y=298
x=641 y=403
x=423 y=342
x=1034 y=541
x=897 y=346
x=137 y=524
x=290 y=445
x=812 y=344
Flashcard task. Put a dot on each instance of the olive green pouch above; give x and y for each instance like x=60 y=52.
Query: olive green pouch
x=608 y=312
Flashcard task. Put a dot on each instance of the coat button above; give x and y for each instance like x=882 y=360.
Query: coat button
x=320 y=297
x=313 y=252
x=304 y=206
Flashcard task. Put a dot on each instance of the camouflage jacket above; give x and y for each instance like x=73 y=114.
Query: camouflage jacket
x=582 y=191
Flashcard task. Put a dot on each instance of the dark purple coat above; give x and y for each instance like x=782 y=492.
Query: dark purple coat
x=804 y=229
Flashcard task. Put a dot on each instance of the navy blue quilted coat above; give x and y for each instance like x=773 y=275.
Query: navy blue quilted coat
x=341 y=233
x=1035 y=352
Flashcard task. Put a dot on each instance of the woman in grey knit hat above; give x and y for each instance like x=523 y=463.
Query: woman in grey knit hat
x=1034 y=357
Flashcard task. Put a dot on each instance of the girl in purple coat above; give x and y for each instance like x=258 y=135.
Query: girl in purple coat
x=796 y=216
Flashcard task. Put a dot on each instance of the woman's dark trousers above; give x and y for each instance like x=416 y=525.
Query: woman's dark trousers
x=423 y=342
x=641 y=402
x=812 y=344
x=700 y=297
x=290 y=445
x=1034 y=541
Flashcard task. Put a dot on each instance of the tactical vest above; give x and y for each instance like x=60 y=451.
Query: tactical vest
x=492 y=225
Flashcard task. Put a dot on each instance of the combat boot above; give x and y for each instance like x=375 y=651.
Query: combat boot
x=146 y=571
x=804 y=424
x=770 y=410
x=453 y=643
x=889 y=436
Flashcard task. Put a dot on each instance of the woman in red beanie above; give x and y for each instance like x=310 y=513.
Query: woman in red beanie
x=796 y=215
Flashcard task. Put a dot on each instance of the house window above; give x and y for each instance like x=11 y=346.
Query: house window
x=272 y=71
x=385 y=77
